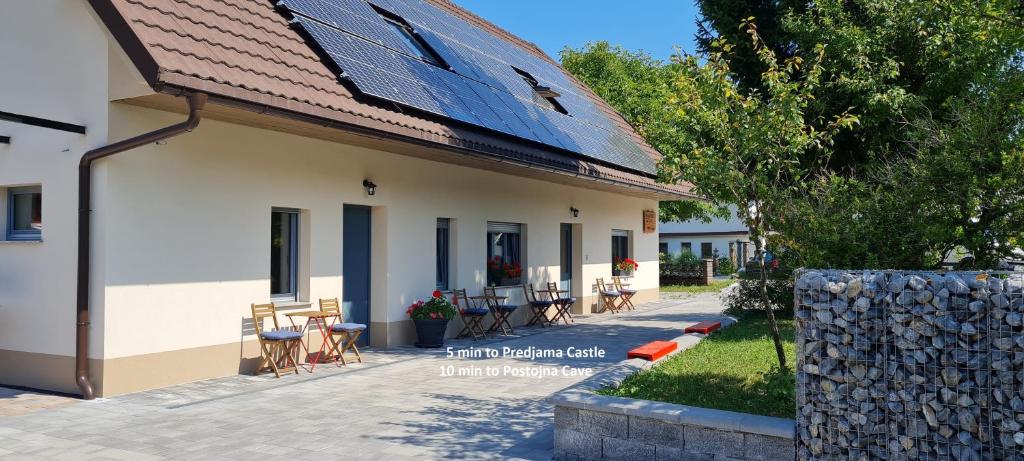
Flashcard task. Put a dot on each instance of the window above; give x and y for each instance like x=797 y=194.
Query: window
x=565 y=258
x=443 y=253
x=687 y=247
x=663 y=248
x=504 y=254
x=284 y=254
x=705 y=250
x=25 y=213
x=543 y=95
x=620 y=248
x=407 y=34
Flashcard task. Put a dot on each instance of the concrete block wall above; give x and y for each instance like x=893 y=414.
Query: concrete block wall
x=601 y=427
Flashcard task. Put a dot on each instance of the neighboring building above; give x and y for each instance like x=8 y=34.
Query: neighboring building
x=720 y=238
x=446 y=143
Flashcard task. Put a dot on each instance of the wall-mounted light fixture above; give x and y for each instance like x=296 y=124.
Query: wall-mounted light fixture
x=370 y=187
x=574 y=211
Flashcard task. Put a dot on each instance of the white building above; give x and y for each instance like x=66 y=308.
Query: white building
x=720 y=238
x=285 y=184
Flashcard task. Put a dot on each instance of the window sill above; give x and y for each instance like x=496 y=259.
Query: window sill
x=291 y=304
x=15 y=242
x=505 y=287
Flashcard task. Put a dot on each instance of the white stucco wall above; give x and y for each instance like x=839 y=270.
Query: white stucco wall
x=55 y=67
x=186 y=227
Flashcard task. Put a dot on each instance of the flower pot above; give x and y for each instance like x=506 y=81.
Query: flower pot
x=430 y=332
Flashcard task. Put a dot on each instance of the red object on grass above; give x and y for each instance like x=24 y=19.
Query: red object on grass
x=703 y=327
x=653 y=350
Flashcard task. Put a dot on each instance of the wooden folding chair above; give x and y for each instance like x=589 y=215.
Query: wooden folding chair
x=611 y=300
x=500 y=311
x=540 y=306
x=343 y=334
x=563 y=304
x=627 y=293
x=472 y=315
x=279 y=346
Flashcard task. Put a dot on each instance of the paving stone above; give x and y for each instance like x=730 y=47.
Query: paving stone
x=710 y=441
x=397 y=398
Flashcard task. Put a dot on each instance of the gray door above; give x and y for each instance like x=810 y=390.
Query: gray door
x=356 y=266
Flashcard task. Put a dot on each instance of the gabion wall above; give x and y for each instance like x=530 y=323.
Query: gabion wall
x=900 y=365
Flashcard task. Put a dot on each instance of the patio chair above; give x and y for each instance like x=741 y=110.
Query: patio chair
x=563 y=304
x=472 y=316
x=343 y=334
x=279 y=346
x=540 y=306
x=627 y=293
x=611 y=300
x=500 y=311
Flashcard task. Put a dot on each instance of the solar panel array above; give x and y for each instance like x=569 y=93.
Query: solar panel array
x=480 y=87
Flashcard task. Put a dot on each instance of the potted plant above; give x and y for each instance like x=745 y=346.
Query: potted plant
x=494 y=271
x=510 y=274
x=626 y=267
x=431 y=318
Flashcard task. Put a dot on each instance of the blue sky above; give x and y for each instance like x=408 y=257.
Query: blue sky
x=655 y=26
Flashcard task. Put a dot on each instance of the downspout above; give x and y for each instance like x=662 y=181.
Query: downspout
x=196 y=101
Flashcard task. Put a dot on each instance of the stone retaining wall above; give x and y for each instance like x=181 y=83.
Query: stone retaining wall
x=902 y=365
x=602 y=427
x=591 y=426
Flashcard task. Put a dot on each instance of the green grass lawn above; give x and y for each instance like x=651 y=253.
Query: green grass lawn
x=716 y=285
x=733 y=369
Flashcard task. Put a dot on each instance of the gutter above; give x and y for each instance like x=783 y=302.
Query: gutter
x=196 y=101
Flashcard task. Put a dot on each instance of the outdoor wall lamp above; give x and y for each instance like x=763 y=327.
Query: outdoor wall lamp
x=575 y=211
x=370 y=187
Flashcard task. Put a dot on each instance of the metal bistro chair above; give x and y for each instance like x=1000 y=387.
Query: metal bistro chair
x=627 y=293
x=540 y=306
x=562 y=303
x=472 y=315
x=611 y=300
x=343 y=334
x=279 y=346
x=500 y=311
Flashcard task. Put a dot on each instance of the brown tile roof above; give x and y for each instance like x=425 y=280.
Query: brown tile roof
x=246 y=51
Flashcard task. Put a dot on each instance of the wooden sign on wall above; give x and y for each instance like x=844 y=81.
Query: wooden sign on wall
x=650 y=221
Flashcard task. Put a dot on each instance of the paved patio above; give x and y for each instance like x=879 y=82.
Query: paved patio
x=396 y=405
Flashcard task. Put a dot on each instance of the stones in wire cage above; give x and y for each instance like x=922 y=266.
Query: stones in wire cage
x=910 y=365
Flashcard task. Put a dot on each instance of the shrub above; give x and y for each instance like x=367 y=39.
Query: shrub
x=745 y=295
x=686 y=258
x=726 y=267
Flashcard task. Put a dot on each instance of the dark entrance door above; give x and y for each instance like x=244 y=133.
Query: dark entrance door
x=355 y=268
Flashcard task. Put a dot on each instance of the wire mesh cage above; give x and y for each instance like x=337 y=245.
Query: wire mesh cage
x=910 y=365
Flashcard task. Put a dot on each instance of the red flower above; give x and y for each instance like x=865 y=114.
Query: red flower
x=436 y=294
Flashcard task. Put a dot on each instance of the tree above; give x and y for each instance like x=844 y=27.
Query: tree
x=745 y=148
x=638 y=86
x=932 y=167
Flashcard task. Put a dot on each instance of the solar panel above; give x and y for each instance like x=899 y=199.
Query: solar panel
x=480 y=88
